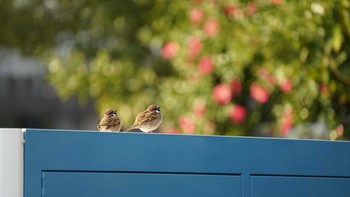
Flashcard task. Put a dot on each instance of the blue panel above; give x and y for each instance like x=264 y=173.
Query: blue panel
x=56 y=150
x=271 y=186
x=73 y=184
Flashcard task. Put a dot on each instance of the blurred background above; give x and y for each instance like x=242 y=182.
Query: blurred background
x=216 y=67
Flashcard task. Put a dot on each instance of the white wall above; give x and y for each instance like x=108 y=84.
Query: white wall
x=11 y=163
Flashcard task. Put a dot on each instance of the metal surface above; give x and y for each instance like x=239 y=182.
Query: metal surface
x=138 y=164
x=290 y=186
x=107 y=184
x=11 y=163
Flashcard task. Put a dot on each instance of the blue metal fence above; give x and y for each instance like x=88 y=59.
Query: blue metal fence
x=83 y=163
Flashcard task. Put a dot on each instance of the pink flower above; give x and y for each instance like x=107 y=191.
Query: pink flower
x=324 y=89
x=187 y=125
x=286 y=122
x=199 y=109
x=251 y=8
x=259 y=93
x=211 y=27
x=236 y=87
x=206 y=65
x=169 y=50
x=233 y=12
x=209 y=127
x=196 y=15
x=238 y=114
x=230 y=10
x=170 y=130
x=194 y=47
x=286 y=86
x=276 y=2
x=339 y=130
x=285 y=127
x=222 y=93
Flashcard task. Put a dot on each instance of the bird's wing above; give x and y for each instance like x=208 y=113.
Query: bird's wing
x=113 y=122
x=104 y=121
x=148 y=117
x=138 y=119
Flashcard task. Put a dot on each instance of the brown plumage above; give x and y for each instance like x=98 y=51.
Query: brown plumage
x=149 y=120
x=110 y=121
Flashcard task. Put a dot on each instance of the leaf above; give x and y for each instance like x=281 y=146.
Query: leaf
x=337 y=38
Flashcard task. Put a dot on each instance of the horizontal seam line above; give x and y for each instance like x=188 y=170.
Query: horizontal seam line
x=143 y=172
x=305 y=176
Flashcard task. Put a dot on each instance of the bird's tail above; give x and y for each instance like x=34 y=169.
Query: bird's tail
x=133 y=129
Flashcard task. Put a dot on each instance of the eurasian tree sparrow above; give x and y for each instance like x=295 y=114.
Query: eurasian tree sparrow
x=110 y=121
x=149 y=120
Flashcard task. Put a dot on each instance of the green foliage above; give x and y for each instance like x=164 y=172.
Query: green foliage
x=286 y=62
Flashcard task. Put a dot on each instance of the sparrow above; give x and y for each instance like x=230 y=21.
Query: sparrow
x=110 y=121
x=149 y=120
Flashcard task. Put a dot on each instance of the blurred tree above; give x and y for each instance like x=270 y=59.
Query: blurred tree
x=263 y=67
